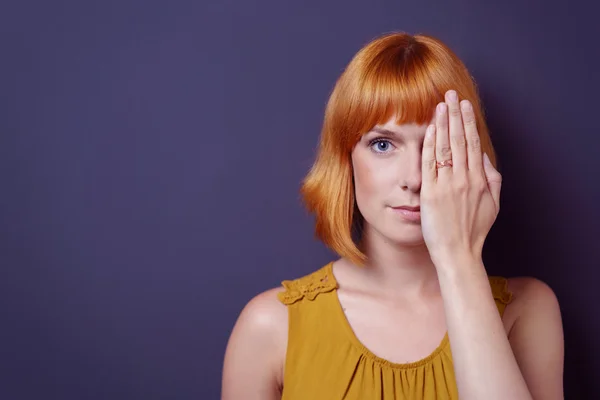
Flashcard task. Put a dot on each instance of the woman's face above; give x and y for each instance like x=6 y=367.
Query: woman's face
x=387 y=176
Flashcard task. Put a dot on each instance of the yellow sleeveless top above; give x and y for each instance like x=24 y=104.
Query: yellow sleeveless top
x=326 y=361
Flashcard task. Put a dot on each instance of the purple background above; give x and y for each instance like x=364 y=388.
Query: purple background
x=151 y=154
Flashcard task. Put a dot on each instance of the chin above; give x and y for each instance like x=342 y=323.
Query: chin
x=407 y=240
x=397 y=232
x=404 y=235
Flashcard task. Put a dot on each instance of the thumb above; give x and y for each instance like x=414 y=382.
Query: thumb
x=494 y=179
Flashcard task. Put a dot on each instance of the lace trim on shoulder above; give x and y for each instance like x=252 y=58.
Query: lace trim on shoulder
x=500 y=289
x=309 y=286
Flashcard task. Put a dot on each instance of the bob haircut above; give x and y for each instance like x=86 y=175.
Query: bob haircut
x=396 y=74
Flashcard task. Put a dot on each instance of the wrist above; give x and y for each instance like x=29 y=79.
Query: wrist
x=458 y=261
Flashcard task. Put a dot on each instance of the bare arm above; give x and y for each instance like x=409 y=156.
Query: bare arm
x=488 y=364
x=253 y=365
x=459 y=205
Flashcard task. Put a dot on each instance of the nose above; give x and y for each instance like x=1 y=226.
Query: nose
x=411 y=177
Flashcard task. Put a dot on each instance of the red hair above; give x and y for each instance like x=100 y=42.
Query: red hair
x=396 y=74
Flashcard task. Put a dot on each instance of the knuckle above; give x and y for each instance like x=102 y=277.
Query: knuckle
x=461 y=186
x=429 y=164
x=474 y=143
x=469 y=120
x=477 y=182
x=481 y=186
x=458 y=140
x=454 y=112
x=445 y=151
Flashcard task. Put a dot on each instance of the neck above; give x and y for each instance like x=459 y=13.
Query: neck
x=394 y=268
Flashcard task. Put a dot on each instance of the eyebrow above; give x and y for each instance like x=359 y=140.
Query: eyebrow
x=385 y=132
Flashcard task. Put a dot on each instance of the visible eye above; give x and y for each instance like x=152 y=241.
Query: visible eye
x=381 y=145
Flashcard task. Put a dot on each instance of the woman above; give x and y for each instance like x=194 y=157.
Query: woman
x=405 y=191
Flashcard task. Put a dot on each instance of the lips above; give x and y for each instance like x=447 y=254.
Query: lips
x=408 y=208
x=411 y=214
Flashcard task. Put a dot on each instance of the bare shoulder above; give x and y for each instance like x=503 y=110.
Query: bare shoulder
x=531 y=294
x=536 y=336
x=255 y=352
x=264 y=313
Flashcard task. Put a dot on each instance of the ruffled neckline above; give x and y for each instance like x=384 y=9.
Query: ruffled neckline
x=365 y=350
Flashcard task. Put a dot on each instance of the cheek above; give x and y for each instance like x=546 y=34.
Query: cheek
x=371 y=180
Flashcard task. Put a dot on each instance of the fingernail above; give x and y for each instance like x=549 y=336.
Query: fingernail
x=452 y=95
x=441 y=108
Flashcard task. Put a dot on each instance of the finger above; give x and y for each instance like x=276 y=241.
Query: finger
x=443 y=151
x=494 y=180
x=429 y=170
x=474 y=155
x=457 y=133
